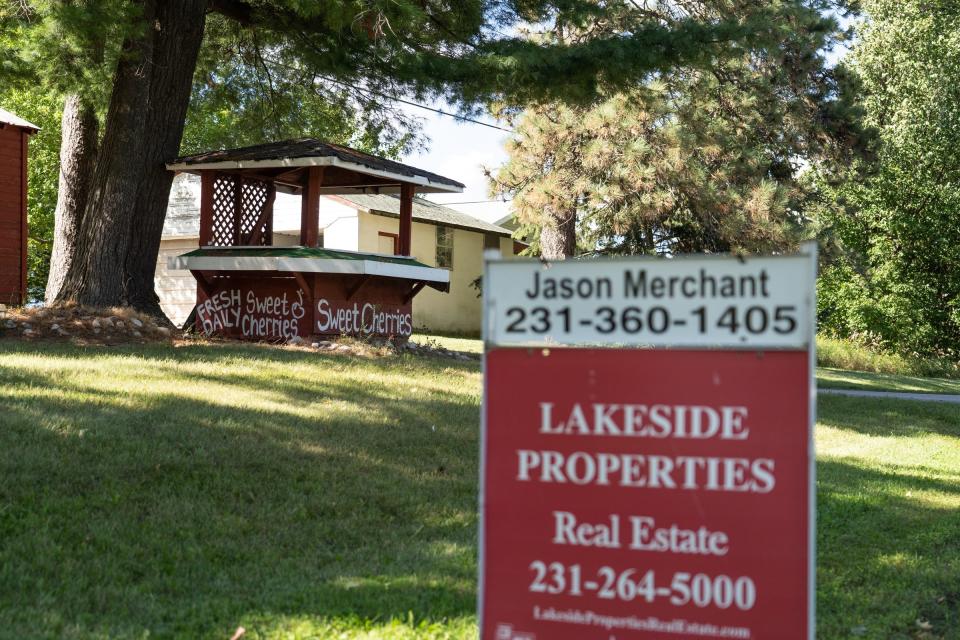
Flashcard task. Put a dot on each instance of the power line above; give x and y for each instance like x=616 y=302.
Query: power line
x=478 y=201
x=390 y=97
x=400 y=100
x=415 y=104
x=394 y=98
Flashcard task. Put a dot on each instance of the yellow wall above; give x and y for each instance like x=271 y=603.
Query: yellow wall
x=456 y=311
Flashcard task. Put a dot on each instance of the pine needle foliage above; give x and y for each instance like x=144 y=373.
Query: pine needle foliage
x=703 y=158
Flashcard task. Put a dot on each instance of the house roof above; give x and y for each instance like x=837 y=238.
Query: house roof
x=310 y=152
x=423 y=211
x=12 y=119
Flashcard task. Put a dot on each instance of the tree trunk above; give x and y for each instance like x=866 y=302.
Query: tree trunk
x=558 y=238
x=120 y=232
x=78 y=154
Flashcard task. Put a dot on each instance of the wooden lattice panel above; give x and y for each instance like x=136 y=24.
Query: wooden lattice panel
x=238 y=210
x=254 y=198
x=223 y=211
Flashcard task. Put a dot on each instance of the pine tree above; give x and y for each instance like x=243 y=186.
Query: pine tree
x=150 y=50
x=692 y=159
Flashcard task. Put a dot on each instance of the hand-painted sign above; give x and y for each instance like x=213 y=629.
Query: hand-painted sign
x=278 y=309
x=263 y=313
x=648 y=493
x=363 y=318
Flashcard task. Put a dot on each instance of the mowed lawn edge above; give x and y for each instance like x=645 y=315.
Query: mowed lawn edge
x=182 y=492
x=828 y=377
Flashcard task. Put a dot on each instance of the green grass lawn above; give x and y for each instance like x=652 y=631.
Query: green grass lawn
x=183 y=492
x=888 y=519
x=830 y=378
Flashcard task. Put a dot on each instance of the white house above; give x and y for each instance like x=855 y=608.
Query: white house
x=441 y=237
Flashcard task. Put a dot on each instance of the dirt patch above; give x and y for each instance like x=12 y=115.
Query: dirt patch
x=83 y=325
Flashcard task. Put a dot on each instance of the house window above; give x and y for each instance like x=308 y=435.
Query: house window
x=388 y=243
x=444 y=247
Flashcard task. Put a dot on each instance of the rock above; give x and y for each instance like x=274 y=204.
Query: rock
x=62 y=333
x=55 y=327
x=163 y=331
x=10 y=324
x=135 y=333
x=344 y=348
x=108 y=322
x=136 y=322
x=315 y=345
x=296 y=340
x=96 y=331
x=96 y=323
x=119 y=324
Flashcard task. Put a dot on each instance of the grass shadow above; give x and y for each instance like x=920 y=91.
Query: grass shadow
x=888 y=417
x=886 y=557
x=143 y=510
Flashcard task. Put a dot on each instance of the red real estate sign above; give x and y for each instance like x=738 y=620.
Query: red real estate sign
x=648 y=493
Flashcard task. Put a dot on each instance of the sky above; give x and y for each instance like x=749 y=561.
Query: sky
x=459 y=150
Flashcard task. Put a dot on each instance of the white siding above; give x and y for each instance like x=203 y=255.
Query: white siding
x=286 y=213
x=177 y=289
x=340 y=226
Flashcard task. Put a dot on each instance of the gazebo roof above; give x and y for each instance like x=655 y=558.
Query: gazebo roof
x=346 y=170
x=13 y=119
x=311 y=260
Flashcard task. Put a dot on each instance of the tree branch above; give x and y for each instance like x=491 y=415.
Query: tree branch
x=233 y=9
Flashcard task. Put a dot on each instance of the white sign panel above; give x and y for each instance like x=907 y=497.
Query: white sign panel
x=721 y=301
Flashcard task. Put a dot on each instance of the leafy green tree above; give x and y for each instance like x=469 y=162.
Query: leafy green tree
x=693 y=159
x=235 y=101
x=245 y=94
x=892 y=238
x=462 y=50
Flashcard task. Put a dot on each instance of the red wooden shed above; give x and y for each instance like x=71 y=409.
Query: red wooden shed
x=248 y=288
x=14 y=132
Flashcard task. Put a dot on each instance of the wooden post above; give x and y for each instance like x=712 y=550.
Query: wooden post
x=237 y=210
x=207 y=178
x=23 y=216
x=406 y=218
x=310 y=207
x=269 y=207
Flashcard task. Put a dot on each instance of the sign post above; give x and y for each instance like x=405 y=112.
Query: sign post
x=647 y=455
